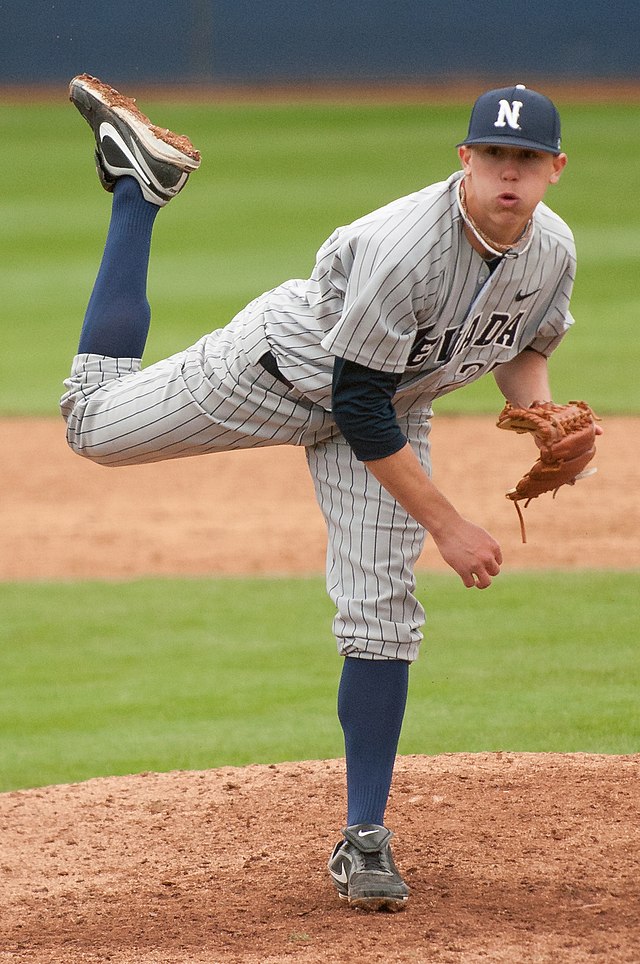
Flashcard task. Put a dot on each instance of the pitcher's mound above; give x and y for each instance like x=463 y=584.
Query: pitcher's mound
x=510 y=857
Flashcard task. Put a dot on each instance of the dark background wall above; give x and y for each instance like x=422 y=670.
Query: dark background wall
x=256 y=41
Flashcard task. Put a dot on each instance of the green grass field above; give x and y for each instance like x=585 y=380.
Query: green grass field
x=122 y=677
x=116 y=678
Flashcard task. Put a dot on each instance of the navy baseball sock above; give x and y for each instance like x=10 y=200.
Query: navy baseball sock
x=118 y=314
x=371 y=701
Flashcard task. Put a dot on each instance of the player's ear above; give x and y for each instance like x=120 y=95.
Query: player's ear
x=464 y=153
x=559 y=164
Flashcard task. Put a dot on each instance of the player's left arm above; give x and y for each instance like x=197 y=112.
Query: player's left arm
x=524 y=379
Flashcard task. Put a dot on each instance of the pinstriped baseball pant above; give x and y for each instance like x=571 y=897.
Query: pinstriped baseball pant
x=373 y=546
x=215 y=397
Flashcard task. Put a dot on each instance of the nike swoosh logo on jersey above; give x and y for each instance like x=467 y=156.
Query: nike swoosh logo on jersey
x=108 y=130
x=366 y=833
x=342 y=876
x=526 y=294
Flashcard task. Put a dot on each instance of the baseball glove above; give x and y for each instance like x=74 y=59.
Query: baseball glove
x=565 y=435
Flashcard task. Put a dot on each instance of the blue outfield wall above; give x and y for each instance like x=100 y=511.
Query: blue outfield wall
x=306 y=41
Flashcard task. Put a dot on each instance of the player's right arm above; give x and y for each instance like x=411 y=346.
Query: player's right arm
x=470 y=551
x=362 y=403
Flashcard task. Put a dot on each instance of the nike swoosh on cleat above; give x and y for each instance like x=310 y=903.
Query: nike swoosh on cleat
x=526 y=294
x=108 y=130
x=366 y=833
x=341 y=877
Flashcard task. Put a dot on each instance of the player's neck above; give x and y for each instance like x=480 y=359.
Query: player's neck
x=484 y=240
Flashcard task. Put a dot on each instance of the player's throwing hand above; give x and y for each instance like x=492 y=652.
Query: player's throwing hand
x=471 y=552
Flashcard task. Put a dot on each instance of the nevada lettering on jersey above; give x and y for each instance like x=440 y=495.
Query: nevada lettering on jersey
x=509 y=113
x=499 y=329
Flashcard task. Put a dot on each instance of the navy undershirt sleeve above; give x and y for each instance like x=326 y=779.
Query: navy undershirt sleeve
x=362 y=404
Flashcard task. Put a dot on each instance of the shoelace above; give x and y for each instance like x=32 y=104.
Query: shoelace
x=373 y=861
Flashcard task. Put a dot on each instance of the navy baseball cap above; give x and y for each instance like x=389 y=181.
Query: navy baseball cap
x=515 y=117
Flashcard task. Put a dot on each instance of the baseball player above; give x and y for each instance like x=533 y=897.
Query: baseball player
x=463 y=277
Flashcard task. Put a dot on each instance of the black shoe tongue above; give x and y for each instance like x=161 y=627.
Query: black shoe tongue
x=367 y=836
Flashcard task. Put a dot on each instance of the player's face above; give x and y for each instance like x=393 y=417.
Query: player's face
x=504 y=184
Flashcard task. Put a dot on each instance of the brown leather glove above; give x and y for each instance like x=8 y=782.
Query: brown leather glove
x=565 y=435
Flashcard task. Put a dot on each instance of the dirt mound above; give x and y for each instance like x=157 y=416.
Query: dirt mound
x=510 y=858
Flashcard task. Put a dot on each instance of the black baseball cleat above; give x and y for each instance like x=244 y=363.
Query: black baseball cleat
x=127 y=143
x=363 y=871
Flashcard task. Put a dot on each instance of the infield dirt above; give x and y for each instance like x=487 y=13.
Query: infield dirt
x=255 y=512
x=511 y=857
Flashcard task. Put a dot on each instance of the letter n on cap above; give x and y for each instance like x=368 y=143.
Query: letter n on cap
x=509 y=114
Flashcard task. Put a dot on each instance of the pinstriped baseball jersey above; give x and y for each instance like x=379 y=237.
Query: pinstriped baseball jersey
x=402 y=290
